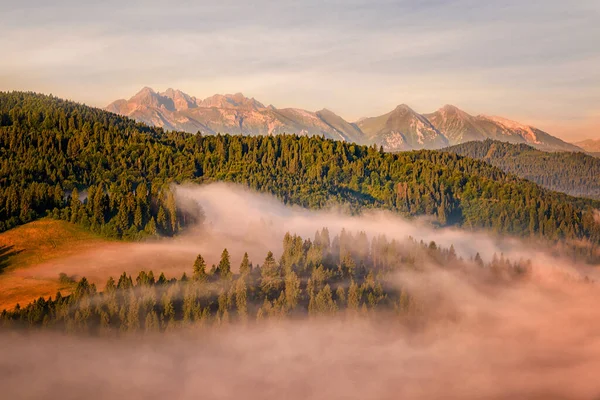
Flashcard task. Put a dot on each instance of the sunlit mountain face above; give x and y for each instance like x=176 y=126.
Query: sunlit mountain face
x=400 y=129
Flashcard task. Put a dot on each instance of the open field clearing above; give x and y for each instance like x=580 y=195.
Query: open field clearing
x=23 y=250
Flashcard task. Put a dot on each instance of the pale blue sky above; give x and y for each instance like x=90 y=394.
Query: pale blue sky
x=533 y=61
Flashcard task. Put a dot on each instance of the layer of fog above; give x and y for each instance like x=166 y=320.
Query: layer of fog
x=538 y=337
x=241 y=220
x=536 y=341
x=235 y=215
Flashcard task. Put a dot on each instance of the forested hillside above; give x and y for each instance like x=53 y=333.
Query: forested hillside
x=577 y=174
x=50 y=148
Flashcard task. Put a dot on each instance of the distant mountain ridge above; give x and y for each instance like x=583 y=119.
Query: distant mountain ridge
x=231 y=113
x=576 y=174
x=590 y=145
x=400 y=129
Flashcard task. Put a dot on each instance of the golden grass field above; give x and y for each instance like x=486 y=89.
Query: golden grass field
x=25 y=248
x=33 y=255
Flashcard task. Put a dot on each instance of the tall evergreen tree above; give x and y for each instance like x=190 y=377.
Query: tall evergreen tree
x=199 y=273
x=224 y=267
x=245 y=266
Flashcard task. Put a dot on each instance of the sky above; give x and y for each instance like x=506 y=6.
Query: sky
x=533 y=61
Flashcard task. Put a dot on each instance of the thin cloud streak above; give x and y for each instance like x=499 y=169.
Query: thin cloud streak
x=358 y=58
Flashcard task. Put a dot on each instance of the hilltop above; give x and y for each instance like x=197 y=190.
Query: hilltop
x=574 y=173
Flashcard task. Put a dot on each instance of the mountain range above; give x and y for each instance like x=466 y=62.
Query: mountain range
x=400 y=129
x=590 y=145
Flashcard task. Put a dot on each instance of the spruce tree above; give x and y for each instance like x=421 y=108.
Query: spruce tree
x=292 y=290
x=241 y=298
x=224 y=267
x=245 y=266
x=271 y=280
x=199 y=273
x=354 y=295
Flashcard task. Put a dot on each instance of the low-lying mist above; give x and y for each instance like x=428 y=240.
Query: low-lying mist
x=534 y=338
x=241 y=220
x=532 y=341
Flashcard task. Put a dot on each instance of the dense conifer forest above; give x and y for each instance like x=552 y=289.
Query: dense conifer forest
x=348 y=274
x=577 y=174
x=107 y=172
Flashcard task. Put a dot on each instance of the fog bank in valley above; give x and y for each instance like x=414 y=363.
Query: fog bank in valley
x=241 y=220
x=535 y=338
x=536 y=341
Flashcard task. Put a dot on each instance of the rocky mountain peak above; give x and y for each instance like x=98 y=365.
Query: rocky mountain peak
x=400 y=129
x=404 y=108
x=181 y=100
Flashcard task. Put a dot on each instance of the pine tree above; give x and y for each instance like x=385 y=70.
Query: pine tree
x=75 y=204
x=133 y=317
x=479 y=261
x=137 y=217
x=161 y=220
x=125 y=282
x=354 y=295
x=168 y=308
x=150 y=227
x=452 y=253
x=292 y=290
x=199 y=273
x=241 y=298
x=151 y=323
x=189 y=304
x=271 y=281
x=340 y=293
x=224 y=267
x=245 y=266
x=348 y=265
x=323 y=302
x=123 y=216
x=162 y=279
x=99 y=206
x=223 y=302
x=172 y=212
x=104 y=317
x=110 y=286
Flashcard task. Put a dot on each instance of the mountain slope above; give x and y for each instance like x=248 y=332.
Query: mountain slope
x=576 y=174
x=402 y=129
x=234 y=114
x=457 y=125
x=48 y=144
x=460 y=127
x=590 y=145
x=350 y=131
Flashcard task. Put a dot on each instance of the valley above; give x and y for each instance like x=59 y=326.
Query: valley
x=303 y=200
x=129 y=195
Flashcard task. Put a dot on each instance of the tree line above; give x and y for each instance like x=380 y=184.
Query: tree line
x=344 y=275
x=576 y=174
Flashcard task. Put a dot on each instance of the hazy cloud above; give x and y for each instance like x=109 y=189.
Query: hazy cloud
x=536 y=61
x=471 y=337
